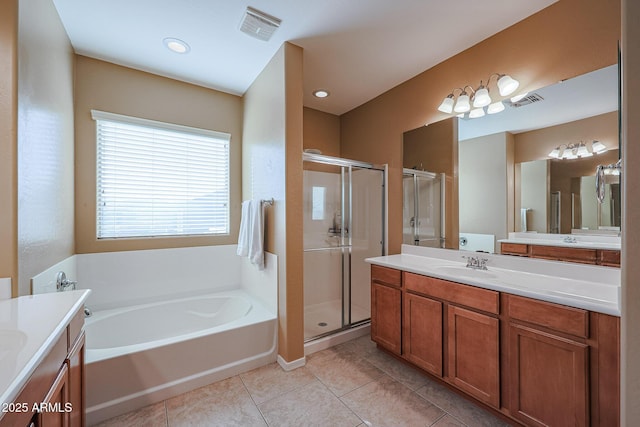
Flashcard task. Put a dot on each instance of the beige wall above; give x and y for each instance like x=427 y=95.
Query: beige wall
x=321 y=131
x=45 y=141
x=569 y=38
x=115 y=89
x=537 y=144
x=8 y=140
x=533 y=194
x=272 y=167
x=631 y=214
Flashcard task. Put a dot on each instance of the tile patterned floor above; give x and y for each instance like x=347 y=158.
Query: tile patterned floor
x=353 y=384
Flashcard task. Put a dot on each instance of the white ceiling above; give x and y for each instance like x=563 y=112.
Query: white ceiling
x=584 y=96
x=356 y=49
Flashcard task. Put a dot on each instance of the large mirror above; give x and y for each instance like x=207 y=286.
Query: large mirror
x=507 y=181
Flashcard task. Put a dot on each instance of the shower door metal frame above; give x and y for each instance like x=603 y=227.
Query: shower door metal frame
x=349 y=164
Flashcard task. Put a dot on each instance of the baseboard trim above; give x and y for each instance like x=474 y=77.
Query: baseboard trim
x=290 y=366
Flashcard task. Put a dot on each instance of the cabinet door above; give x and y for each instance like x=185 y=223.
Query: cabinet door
x=76 y=383
x=474 y=354
x=385 y=317
x=548 y=378
x=422 y=333
x=54 y=412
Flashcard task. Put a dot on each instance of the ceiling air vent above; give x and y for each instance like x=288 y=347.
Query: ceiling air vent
x=529 y=99
x=258 y=24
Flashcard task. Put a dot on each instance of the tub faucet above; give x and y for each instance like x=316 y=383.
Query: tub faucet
x=62 y=283
x=476 y=263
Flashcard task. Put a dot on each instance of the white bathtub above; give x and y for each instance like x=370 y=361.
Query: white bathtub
x=142 y=354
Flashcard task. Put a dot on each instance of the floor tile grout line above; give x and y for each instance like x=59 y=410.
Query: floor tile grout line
x=253 y=400
x=166 y=412
x=444 y=414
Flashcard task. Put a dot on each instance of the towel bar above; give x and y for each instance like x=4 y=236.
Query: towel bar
x=267 y=201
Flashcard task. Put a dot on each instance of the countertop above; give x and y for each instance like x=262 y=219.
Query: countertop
x=29 y=327
x=584 y=241
x=588 y=287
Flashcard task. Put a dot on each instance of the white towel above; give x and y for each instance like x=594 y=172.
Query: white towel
x=256 y=236
x=251 y=237
x=243 y=236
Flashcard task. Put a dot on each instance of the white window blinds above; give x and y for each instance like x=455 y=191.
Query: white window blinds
x=159 y=179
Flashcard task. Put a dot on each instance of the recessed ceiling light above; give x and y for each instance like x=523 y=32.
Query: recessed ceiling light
x=176 y=45
x=321 y=93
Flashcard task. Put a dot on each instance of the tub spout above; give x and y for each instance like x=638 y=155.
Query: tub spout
x=87 y=311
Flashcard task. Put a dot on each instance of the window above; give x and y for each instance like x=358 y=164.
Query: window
x=159 y=179
x=317 y=202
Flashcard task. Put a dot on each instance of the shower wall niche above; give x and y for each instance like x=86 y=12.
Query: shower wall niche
x=343 y=225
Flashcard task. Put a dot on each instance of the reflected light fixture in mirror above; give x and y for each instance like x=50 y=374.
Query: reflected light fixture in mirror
x=479 y=97
x=578 y=150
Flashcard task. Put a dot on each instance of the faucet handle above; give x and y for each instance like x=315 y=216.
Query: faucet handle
x=62 y=283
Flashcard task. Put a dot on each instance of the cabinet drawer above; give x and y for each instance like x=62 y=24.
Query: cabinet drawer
x=75 y=328
x=561 y=318
x=514 y=248
x=610 y=258
x=587 y=256
x=470 y=296
x=388 y=276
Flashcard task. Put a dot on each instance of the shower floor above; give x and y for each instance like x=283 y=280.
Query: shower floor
x=326 y=317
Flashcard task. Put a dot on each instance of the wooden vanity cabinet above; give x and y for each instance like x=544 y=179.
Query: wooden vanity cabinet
x=458 y=324
x=422 y=330
x=386 y=308
x=548 y=363
x=57 y=385
x=539 y=363
x=605 y=257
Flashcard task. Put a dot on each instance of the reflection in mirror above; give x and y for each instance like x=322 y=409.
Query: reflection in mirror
x=431 y=151
x=505 y=174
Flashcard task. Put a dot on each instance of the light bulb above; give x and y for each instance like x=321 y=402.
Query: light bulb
x=447 y=105
x=598 y=147
x=507 y=85
x=476 y=112
x=583 y=152
x=496 y=107
x=462 y=105
x=176 y=45
x=481 y=98
x=555 y=153
x=519 y=97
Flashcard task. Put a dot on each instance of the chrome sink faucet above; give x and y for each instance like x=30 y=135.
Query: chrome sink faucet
x=476 y=263
x=570 y=239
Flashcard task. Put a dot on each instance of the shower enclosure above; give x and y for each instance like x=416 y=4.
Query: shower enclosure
x=423 y=208
x=343 y=224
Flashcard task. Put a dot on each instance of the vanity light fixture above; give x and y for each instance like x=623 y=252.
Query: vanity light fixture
x=598 y=147
x=176 y=45
x=496 y=107
x=321 y=93
x=479 y=98
x=577 y=150
x=476 y=112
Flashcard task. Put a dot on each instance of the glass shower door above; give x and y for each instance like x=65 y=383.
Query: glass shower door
x=324 y=248
x=366 y=234
x=343 y=225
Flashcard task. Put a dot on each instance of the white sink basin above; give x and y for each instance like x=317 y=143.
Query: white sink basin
x=461 y=271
